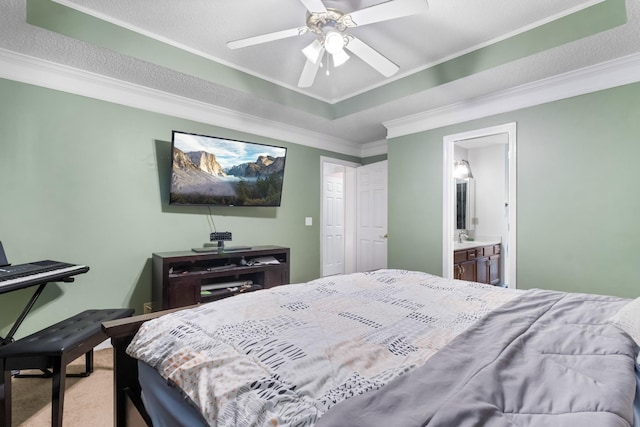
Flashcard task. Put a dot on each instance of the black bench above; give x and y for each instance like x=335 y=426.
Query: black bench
x=54 y=348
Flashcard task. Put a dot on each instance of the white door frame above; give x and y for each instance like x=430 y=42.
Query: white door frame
x=448 y=203
x=350 y=209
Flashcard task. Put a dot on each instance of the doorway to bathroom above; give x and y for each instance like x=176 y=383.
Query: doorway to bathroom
x=490 y=210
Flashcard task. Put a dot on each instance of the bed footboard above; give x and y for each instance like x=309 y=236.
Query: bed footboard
x=129 y=411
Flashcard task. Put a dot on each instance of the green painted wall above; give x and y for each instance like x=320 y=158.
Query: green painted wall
x=85 y=181
x=578 y=198
x=373 y=159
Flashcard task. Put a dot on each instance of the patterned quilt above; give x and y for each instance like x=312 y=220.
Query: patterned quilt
x=284 y=356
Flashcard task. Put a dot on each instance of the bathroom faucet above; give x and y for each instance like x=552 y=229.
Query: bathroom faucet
x=462 y=234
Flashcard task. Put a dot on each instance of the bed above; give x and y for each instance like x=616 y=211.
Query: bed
x=382 y=348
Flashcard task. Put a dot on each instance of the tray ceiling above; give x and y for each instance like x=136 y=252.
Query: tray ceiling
x=455 y=52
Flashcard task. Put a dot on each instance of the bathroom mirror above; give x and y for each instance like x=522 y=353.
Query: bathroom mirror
x=465 y=198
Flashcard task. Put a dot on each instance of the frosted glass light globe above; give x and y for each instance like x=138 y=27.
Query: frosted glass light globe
x=333 y=42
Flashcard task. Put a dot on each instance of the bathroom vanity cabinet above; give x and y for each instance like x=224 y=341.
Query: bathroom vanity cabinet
x=478 y=264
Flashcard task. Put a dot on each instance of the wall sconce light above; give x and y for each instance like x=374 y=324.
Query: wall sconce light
x=462 y=170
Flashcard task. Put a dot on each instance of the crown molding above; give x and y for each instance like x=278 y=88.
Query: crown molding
x=602 y=76
x=39 y=72
x=374 y=148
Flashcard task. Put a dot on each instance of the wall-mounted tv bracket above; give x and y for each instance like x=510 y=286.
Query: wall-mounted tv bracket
x=221 y=238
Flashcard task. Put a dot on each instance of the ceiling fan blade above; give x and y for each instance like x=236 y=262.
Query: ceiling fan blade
x=310 y=70
x=269 y=37
x=371 y=56
x=385 y=11
x=314 y=6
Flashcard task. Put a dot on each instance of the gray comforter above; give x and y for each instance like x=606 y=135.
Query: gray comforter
x=545 y=359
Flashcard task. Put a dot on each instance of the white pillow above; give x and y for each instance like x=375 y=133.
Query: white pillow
x=628 y=319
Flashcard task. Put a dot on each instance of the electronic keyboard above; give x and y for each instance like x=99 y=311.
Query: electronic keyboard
x=24 y=275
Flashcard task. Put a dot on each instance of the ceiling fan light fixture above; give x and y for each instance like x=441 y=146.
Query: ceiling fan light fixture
x=340 y=58
x=313 y=51
x=333 y=42
x=329 y=26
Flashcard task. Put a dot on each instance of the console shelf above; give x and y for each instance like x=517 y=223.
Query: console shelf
x=186 y=278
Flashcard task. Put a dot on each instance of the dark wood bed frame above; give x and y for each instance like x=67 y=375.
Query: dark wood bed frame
x=129 y=411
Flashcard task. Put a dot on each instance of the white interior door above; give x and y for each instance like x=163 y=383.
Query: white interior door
x=372 y=216
x=338 y=216
x=333 y=227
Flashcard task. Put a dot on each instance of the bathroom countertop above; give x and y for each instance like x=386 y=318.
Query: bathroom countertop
x=468 y=244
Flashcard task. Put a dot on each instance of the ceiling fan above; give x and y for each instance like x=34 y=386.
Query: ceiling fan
x=329 y=26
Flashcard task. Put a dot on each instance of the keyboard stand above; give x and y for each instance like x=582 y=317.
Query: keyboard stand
x=9 y=338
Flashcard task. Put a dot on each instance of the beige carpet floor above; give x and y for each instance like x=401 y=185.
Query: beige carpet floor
x=87 y=401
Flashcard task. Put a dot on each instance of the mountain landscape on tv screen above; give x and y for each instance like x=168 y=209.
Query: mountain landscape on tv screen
x=198 y=178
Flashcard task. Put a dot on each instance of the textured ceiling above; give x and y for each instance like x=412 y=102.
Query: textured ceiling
x=351 y=103
x=448 y=29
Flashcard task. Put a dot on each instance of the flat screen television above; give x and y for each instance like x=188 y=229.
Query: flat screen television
x=213 y=171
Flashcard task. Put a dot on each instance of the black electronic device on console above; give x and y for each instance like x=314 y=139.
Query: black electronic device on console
x=221 y=237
